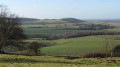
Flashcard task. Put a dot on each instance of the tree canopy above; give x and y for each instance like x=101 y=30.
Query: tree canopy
x=10 y=28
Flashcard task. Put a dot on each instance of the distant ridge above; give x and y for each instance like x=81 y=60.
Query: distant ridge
x=50 y=21
x=28 y=19
x=72 y=20
x=104 y=20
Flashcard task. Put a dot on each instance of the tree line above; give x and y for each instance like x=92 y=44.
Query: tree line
x=70 y=35
x=91 y=27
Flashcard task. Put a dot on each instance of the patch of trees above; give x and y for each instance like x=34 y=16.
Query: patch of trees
x=46 y=36
x=70 y=35
x=35 y=27
x=31 y=48
x=114 y=52
x=34 y=46
x=91 y=27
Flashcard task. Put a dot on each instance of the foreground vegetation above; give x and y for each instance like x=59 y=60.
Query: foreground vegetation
x=45 y=61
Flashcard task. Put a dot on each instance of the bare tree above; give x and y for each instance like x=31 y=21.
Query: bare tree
x=106 y=45
x=109 y=44
x=112 y=45
x=35 y=47
x=11 y=32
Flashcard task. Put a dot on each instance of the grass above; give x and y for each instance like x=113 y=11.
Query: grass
x=114 y=29
x=79 y=46
x=49 y=61
x=117 y=37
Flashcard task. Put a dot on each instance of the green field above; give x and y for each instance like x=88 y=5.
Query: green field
x=117 y=37
x=79 y=46
x=114 y=29
x=49 y=61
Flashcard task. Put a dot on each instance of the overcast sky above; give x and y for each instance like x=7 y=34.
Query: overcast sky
x=54 y=9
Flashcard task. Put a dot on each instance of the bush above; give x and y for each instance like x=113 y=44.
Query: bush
x=35 y=47
x=97 y=54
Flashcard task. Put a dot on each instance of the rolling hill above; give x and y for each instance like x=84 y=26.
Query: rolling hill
x=50 y=21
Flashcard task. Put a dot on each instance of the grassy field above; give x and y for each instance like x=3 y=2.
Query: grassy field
x=80 y=46
x=49 y=61
x=117 y=37
x=114 y=29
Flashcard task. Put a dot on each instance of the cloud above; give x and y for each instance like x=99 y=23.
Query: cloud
x=35 y=6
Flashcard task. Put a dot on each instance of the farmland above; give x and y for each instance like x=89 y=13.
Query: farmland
x=79 y=46
x=59 y=26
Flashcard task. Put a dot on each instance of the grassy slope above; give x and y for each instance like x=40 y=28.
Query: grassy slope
x=48 y=61
x=79 y=46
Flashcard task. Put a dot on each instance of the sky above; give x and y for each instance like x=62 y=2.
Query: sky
x=56 y=9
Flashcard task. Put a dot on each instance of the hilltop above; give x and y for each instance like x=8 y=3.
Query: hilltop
x=72 y=20
x=28 y=19
x=50 y=21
